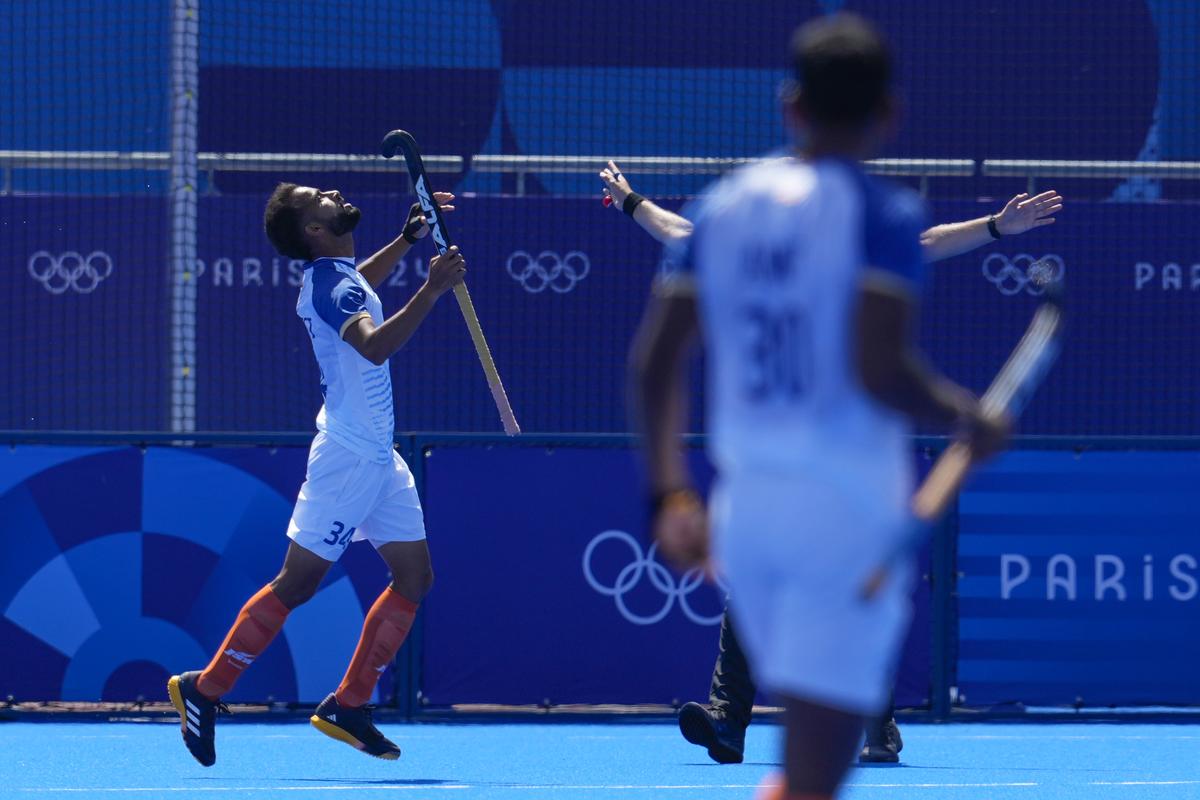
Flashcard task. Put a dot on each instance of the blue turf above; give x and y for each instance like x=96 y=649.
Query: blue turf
x=597 y=762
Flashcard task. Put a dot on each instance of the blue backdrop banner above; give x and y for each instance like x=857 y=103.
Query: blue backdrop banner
x=130 y=565
x=1080 y=576
x=549 y=590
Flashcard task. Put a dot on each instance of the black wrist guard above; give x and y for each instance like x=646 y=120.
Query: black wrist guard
x=992 y=229
x=412 y=224
x=632 y=201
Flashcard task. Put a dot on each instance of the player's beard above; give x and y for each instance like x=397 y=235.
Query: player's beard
x=346 y=220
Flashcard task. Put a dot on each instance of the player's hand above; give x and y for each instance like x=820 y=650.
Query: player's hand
x=615 y=185
x=1024 y=213
x=681 y=530
x=446 y=271
x=985 y=433
x=416 y=226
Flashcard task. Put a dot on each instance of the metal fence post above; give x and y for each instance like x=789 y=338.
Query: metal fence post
x=184 y=90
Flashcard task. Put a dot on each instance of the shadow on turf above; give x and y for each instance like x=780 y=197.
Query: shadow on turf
x=384 y=782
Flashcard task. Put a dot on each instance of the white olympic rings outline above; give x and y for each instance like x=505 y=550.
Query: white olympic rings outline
x=660 y=577
x=1015 y=275
x=548 y=269
x=57 y=274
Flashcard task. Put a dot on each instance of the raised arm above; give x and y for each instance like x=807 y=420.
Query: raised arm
x=1022 y=213
x=663 y=225
x=378 y=266
x=378 y=343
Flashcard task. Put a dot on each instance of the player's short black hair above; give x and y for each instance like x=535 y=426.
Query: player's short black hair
x=281 y=221
x=843 y=69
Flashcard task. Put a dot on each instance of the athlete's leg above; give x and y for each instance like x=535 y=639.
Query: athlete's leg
x=396 y=527
x=196 y=695
x=732 y=691
x=300 y=576
x=883 y=743
x=344 y=714
x=261 y=619
x=721 y=726
x=389 y=620
x=819 y=745
x=411 y=568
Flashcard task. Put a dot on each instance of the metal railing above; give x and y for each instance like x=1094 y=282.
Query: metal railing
x=519 y=165
x=1032 y=170
x=523 y=165
x=208 y=163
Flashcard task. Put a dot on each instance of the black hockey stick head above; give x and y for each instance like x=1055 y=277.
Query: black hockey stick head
x=395 y=140
x=399 y=141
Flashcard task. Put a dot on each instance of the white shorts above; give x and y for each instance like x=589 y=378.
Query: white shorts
x=795 y=555
x=346 y=498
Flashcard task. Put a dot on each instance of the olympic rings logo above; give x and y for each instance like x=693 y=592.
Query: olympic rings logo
x=548 y=269
x=1023 y=273
x=645 y=565
x=70 y=271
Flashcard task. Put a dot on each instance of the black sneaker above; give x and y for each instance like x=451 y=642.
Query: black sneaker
x=354 y=727
x=709 y=728
x=883 y=744
x=197 y=716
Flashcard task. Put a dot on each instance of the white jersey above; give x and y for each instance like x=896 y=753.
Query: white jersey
x=778 y=254
x=358 y=412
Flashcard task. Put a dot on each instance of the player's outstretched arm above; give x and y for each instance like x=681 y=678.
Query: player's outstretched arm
x=894 y=372
x=378 y=266
x=377 y=343
x=1020 y=214
x=663 y=225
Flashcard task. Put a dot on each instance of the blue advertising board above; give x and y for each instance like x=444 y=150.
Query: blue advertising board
x=549 y=589
x=1129 y=364
x=1080 y=575
x=130 y=565
x=86 y=308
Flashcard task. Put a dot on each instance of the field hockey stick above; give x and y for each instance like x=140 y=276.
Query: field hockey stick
x=402 y=141
x=1020 y=376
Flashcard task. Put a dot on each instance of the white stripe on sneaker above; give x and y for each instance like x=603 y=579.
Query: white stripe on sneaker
x=193 y=728
x=191 y=706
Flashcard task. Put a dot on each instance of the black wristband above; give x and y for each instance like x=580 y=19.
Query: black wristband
x=632 y=201
x=414 y=213
x=992 y=229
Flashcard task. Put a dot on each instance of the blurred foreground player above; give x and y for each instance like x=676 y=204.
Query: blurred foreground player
x=803 y=276
x=720 y=726
x=357 y=486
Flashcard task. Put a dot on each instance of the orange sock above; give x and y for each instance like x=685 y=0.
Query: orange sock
x=384 y=629
x=255 y=627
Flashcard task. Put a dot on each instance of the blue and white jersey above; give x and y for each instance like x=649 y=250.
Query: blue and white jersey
x=358 y=412
x=779 y=252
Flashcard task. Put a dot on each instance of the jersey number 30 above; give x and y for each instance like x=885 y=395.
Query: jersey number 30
x=779 y=356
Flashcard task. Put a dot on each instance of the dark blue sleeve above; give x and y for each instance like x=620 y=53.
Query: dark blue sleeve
x=893 y=221
x=336 y=297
